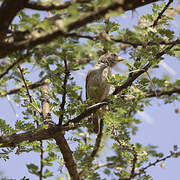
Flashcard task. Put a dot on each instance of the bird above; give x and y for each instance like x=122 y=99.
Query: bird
x=97 y=87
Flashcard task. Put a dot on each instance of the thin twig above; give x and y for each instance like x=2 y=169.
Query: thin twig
x=37 y=123
x=67 y=74
x=142 y=170
x=25 y=84
x=41 y=161
x=161 y=13
x=152 y=83
x=160 y=93
x=98 y=140
x=102 y=165
x=133 y=165
x=96 y=146
x=14 y=64
x=122 y=145
x=135 y=75
x=17 y=89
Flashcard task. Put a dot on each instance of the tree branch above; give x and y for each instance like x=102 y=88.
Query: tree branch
x=67 y=155
x=53 y=6
x=8 y=48
x=8 y=11
x=46 y=115
x=96 y=147
x=8 y=141
x=37 y=123
x=131 y=79
x=14 y=64
x=160 y=93
x=41 y=161
x=133 y=166
x=135 y=75
x=142 y=170
x=17 y=89
x=32 y=135
x=48 y=7
x=67 y=74
x=20 y=36
x=35 y=135
x=161 y=13
x=98 y=140
x=25 y=84
x=86 y=113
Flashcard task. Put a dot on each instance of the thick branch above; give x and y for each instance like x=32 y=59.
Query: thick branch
x=95 y=38
x=32 y=135
x=86 y=113
x=67 y=155
x=49 y=7
x=8 y=48
x=8 y=11
x=43 y=134
x=53 y=6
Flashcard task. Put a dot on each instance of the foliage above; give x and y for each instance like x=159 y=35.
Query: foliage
x=61 y=61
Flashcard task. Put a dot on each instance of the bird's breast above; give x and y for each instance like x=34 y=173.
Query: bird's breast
x=98 y=80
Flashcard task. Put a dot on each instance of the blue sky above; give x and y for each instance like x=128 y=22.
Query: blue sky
x=162 y=129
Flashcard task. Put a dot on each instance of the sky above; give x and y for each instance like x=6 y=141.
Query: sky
x=160 y=125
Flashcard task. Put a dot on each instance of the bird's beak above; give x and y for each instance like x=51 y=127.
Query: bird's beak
x=118 y=59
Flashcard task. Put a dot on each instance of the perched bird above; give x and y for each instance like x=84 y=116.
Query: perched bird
x=97 y=88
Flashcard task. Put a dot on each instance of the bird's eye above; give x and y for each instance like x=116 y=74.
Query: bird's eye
x=114 y=55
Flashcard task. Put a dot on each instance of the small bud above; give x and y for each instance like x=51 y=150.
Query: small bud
x=158 y=104
x=162 y=165
x=176 y=110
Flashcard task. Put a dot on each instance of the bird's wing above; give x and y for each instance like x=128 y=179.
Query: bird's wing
x=87 y=79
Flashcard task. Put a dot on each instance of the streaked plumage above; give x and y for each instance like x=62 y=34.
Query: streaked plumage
x=97 y=87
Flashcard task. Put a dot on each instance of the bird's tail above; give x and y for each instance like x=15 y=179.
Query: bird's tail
x=95 y=120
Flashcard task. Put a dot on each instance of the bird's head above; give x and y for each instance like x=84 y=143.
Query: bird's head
x=110 y=59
